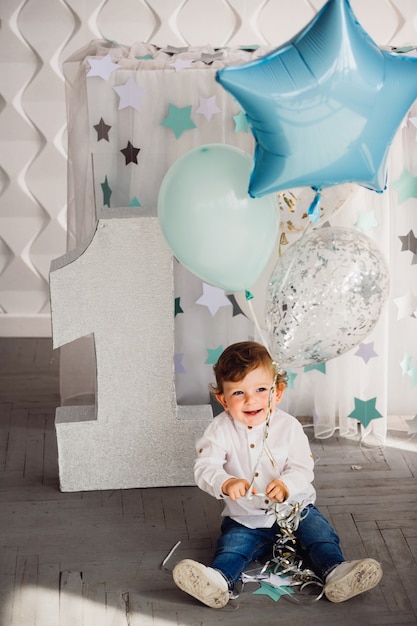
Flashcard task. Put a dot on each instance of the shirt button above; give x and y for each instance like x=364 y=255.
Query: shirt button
x=250 y=427
x=252 y=445
x=256 y=474
x=266 y=501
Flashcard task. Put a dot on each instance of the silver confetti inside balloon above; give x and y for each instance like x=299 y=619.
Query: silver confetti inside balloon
x=325 y=295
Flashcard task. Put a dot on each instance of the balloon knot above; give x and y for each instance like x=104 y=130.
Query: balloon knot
x=314 y=208
x=248 y=295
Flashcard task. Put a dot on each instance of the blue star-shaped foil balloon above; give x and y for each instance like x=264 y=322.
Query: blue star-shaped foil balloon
x=325 y=106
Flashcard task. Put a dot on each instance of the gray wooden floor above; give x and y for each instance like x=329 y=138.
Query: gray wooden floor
x=93 y=559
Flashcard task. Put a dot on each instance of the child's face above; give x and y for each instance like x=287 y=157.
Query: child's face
x=247 y=400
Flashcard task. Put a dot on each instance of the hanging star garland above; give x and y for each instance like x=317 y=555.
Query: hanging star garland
x=409 y=244
x=102 y=130
x=177 y=307
x=130 y=94
x=178 y=119
x=103 y=67
x=130 y=154
x=366 y=351
x=106 y=192
x=213 y=298
x=365 y=411
x=405 y=186
x=213 y=355
x=208 y=107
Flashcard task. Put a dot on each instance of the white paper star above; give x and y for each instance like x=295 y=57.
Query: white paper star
x=130 y=94
x=208 y=107
x=213 y=298
x=181 y=64
x=407 y=305
x=102 y=67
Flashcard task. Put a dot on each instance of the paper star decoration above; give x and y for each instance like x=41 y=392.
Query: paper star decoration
x=208 y=107
x=275 y=593
x=291 y=379
x=177 y=308
x=405 y=186
x=102 y=130
x=106 y=192
x=130 y=153
x=178 y=366
x=213 y=355
x=134 y=202
x=407 y=305
x=178 y=120
x=366 y=221
x=130 y=94
x=406 y=364
x=365 y=411
x=102 y=67
x=241 y=123
x=236 y=308
x=320 y=367
x=412 y=373
x=213 y=298
x=181 y=64
x=412 y=425
x=366 y=351
x=324 y=106
x=409 y=244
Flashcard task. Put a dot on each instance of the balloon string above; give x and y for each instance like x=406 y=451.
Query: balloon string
x=257 y=325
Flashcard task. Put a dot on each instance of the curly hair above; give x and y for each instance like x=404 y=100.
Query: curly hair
x=241 y=358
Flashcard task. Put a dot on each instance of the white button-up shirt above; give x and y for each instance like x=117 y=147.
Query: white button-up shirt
x=230 y=449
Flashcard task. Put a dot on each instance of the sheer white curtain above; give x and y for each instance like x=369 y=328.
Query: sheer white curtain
x=382 y=372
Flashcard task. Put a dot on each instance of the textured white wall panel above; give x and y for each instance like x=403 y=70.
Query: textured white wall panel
x=37 y=36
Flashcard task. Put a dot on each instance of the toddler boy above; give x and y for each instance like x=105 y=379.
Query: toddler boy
x=253 y=456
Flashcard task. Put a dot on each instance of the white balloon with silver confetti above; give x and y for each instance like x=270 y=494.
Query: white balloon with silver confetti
x=325 y=295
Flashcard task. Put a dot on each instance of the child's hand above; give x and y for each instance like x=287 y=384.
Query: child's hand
x=276 y=490
x=235 y=488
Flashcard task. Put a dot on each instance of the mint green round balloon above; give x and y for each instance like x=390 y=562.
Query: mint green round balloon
x=212 y=225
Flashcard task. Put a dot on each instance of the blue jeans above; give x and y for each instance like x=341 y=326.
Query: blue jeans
x=317 y=543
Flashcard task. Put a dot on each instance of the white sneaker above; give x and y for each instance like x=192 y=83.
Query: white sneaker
x=203 y=583
x=352 y=578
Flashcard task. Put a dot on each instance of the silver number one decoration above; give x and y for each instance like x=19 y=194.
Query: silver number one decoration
x=119 y=287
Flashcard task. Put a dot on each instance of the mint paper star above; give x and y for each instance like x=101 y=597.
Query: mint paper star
x=405 y=186
x=320 y=367
x=213 y=355
x=275 y=593
x=106 y=192
x=365 y=411
x=178 y=120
